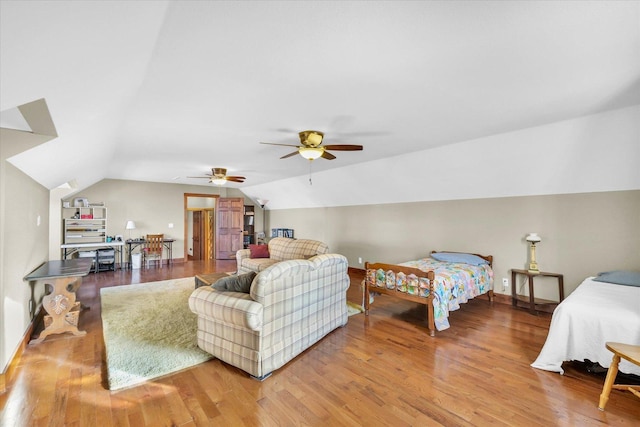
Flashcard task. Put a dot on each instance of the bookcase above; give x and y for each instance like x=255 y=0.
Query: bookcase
x=84 y=225
x=249 y=226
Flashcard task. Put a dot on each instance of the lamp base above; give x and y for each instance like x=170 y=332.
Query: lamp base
x=533 y=268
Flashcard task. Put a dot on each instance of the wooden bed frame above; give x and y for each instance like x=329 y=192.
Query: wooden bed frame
x=428 y=301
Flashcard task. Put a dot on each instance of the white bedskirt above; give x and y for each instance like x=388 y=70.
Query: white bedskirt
x=595 y=313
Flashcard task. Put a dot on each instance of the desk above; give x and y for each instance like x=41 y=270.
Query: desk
x=71 y=248
x=64 y=277
x=532 y=299
x=134 y=243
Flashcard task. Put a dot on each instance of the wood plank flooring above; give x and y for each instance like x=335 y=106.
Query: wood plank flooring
x=378 y=370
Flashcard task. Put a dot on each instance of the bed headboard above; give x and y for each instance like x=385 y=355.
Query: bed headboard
x=489 y=258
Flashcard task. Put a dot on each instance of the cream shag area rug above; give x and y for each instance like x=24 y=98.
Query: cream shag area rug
x=353 y=308
x=149 y=331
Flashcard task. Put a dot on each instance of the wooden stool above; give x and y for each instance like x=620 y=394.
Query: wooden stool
x=627 y=352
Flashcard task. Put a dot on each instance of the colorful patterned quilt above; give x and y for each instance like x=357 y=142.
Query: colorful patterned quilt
x=455 y=284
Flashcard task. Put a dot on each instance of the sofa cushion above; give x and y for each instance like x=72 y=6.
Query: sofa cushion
x=257 y=264
x=304 y=248
x=259 y=251
x=239 y=283
x=278 y=246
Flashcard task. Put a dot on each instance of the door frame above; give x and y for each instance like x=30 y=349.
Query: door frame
x=186 y=217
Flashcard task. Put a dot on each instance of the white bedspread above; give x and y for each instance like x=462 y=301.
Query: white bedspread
x=592 y=315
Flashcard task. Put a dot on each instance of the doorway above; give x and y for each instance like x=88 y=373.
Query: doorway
x=199 y=226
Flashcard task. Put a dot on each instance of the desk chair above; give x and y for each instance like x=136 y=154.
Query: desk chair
x=624 y=351
x=153 y=246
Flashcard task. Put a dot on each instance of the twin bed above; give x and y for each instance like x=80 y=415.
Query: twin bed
x=602 y=309
x=441 y=281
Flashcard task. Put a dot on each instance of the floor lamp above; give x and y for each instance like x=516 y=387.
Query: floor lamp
x=262 y=204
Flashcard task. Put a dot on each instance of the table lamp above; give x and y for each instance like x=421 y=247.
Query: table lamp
x=130 y=226
x=533 y=238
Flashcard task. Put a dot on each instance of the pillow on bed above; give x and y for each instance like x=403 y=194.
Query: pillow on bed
x=620 y=277
x=454 y=257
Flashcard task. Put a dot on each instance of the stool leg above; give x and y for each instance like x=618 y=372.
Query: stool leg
x=608 y=382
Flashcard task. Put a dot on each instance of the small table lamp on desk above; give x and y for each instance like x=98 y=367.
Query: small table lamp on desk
x=130 y=226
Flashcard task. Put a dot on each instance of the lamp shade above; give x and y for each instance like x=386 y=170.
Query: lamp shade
x=130 y=225
x=533 y=238
x=262 y=202
x=310 y=153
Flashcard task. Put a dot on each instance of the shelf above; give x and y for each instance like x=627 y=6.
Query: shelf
x=76 y=229
x=249 y=225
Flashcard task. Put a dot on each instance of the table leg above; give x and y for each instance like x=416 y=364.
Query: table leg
x=129 y=256
x=532 y=299
x=608 y=382
x=514 y=301
x=58 y=304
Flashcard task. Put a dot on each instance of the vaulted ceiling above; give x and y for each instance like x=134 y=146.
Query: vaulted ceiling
x=164 y=90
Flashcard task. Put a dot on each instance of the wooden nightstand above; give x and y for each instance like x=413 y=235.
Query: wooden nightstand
x=532 y=301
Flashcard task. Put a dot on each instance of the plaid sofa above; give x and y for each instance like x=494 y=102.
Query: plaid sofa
x=280 y=249
x=291 y=306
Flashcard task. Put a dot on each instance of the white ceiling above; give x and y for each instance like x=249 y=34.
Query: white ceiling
x=159 y=91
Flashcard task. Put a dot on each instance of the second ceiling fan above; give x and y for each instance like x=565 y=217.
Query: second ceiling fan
x=311 y=146
x=219 y=176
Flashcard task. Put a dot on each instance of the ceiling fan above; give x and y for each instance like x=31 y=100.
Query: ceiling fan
x=310 y=146
x=219 y=176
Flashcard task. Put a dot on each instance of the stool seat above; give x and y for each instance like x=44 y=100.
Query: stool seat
x=625 y=351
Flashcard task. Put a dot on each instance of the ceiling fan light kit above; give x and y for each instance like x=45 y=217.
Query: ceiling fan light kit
x=311 y=153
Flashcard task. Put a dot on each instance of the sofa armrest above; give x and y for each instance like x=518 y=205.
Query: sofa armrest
x=228 y=307
x=240 y=255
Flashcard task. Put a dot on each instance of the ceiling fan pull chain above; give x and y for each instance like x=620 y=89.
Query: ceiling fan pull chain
x=310 y=162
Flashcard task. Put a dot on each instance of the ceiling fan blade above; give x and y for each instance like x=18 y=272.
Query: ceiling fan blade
x=208 y=177
x=327 y=155
x=343 y=147
x=234 y=179
x=289 y=155
x=283 y=145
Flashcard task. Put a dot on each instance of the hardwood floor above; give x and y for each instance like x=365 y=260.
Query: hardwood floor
x=378 y=370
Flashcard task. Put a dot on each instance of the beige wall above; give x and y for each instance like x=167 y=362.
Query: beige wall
x=582 y=234
x=153 y=206
x=23 y=243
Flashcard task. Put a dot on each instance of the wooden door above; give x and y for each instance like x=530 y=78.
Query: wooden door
x=197 y=235
x=229 y=227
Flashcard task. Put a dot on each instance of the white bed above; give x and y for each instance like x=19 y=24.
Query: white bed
x=595 y=313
